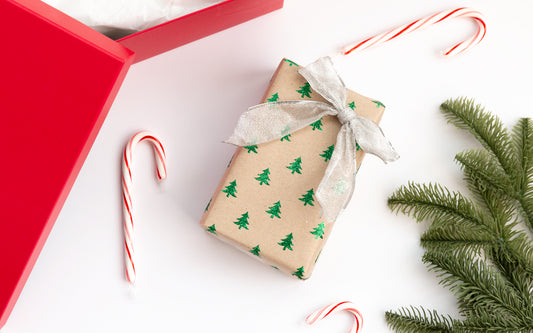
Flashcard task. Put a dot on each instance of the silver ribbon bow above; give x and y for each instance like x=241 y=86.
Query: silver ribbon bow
x=270 y=121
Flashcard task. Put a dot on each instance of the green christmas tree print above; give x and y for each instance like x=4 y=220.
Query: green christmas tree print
x=291 y=63
x=231 y=189
x=299 y=273
x=286 y=138
x=305 y=90
x=263 y=177
x=287 y=242
x=340 y=186
x=208 y=204
x=242 y=221
x=255 y=251
x=229 y=163
x=378 y=104
x=352 y=105
x=274 y=210
x=296 y=166
x=326 y=154
x=317 y=125
x=357 y=147
x=319 y=231
x=308 y=198
x=212 y=229
x=318 y=256
x=274 y=98
x=286 y=130
x=251 y=149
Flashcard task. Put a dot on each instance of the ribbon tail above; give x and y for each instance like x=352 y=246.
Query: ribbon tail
x=371 y=139
x=270 y=121
x=337 y=186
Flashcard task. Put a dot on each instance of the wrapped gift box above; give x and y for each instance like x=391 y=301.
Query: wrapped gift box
x=59 y=79
x=265 y=203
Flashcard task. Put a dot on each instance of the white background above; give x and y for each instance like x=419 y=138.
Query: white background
x=191 y=97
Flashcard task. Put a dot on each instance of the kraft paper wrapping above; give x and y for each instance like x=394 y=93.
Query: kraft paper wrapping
x=265 y=203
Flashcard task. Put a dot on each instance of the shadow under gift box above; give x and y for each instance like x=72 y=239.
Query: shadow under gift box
x=59 y=79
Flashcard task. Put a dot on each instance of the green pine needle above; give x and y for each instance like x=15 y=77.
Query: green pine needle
x=435 y=202
x=418 y=320
x=455 y=236
x=485 y=127
x=481 y=248
x=484 y=169
x=523 y=142
x=477 y=286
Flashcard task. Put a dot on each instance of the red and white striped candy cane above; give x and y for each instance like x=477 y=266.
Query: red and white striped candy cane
x=160 y=159
x=424 y=22
x=337 y=307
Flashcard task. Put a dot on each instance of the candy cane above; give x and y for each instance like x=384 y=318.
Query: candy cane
x=337 y=307
x=160 y=159
x=423 y=22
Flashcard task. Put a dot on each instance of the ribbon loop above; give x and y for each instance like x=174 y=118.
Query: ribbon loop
x=270 y=121
x=267 y=122
x=323 y=78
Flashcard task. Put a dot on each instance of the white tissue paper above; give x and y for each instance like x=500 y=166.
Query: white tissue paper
x=117 y=18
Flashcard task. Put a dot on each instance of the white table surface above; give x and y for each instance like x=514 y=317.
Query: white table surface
x=191 y=97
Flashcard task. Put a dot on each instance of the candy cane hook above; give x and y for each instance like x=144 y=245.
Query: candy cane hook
x=337 y=307
x=426 y=21
x=160 y=159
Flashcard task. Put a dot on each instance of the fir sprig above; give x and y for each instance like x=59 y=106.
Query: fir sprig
x=486 y=128
x=480 y=247
x=419 y=320
x=523 y=142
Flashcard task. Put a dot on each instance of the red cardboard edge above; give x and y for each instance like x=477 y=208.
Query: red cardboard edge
x=113 y=49
x=64 y=194
x=74 y=27
x=196 y=25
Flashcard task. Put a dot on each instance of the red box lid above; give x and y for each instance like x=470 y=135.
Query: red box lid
x=59 y=79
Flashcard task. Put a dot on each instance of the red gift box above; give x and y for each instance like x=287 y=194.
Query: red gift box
x=59 y=79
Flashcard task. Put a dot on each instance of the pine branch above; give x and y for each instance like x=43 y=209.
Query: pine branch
x=418 y=320
x=484 y=170
x=434 y=202
x=494 y=202
x=512 y=253
x=519 y=249
x=498 y=202
x=491 y=323
x=479 y=248
x=523 y=142
x=487 y=324
x=478 y=287
x=485 y=127
x=448 y=237
x=518 y=279
x=511 y=250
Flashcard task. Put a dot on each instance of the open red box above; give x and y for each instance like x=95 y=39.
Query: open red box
x=58 y=81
